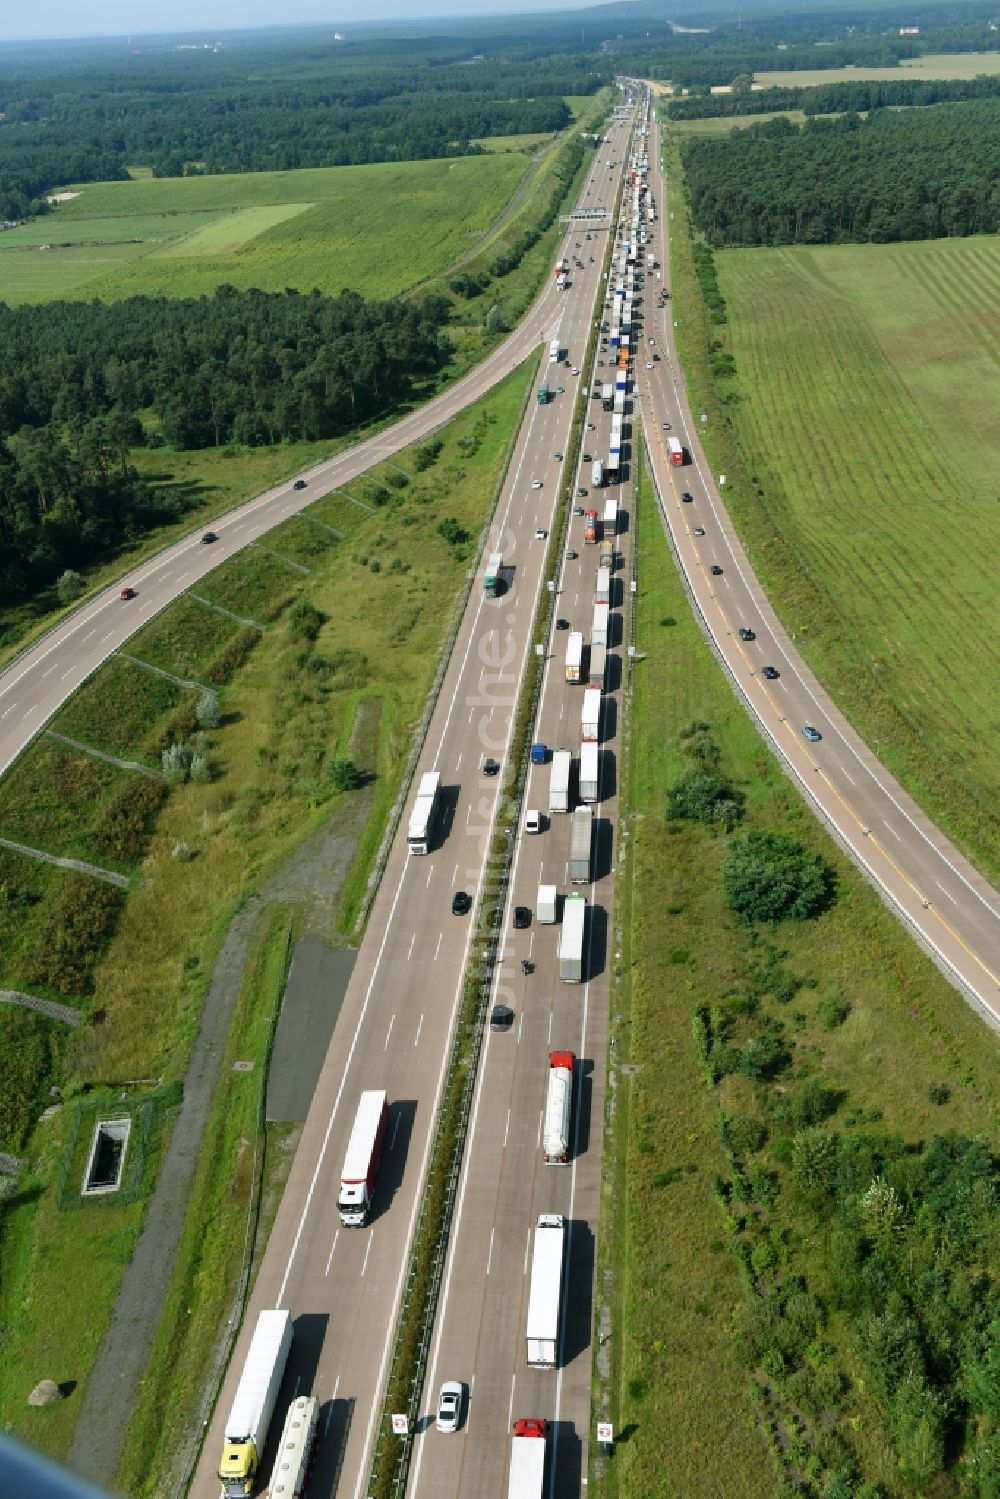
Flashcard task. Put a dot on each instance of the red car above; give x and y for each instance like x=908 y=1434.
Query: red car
x=127 y=593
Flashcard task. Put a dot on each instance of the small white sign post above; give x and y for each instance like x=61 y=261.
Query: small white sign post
x=400 y=1426
x=605 y=1435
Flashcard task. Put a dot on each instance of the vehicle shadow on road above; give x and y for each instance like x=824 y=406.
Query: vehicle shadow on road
x=595 y=954
x=402 y=1114
x=567 y=1457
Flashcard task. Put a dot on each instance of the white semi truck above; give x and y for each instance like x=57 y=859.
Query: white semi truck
x=424 y=815
x=545 y=1293
x=589 y=771
x=590 y=715
x=574 y=924
x=527 y=1458
x=361 y=1162
x=253 y=1406
x=562 y=764
x=574 y=655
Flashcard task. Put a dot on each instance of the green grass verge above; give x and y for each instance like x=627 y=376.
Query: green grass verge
x=860 y=452
x=217 y=1236
x=377 y=229
x=385 y=597
x=695 y=1418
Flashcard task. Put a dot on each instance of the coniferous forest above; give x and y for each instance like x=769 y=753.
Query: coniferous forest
x=893 y=176
x=80 y=383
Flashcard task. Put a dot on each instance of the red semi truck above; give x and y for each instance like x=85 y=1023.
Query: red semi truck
x=361 y=1163
x=675 y=449
x=591 y=524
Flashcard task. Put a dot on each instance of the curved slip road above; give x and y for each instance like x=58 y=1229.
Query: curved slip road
x=947 y=904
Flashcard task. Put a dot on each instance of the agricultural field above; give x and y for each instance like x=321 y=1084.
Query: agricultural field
x=865 y=406
x=378 y=229
x=723 y=125
x=706 y=1223
x=513 y=142
x=934 y=65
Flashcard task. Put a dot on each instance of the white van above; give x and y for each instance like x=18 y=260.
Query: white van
x=532 y=821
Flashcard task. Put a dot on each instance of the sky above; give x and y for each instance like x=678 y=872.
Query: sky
x=74 y=18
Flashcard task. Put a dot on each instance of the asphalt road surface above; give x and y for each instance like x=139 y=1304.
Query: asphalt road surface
x=944 y=901
x=343 y=1285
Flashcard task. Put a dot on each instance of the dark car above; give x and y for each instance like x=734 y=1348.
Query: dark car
x=586 y=458
x=491 y=767
x=562 y=624
x=716 y=570
x=746 y=634
x=299 y=484
x=501 y=1018
x=687 y=497
x=461 y=903
x=813 y=735
x=697 y=530
x=522 y=917
x=771 y=673
x=208 y=537
x=127 y=593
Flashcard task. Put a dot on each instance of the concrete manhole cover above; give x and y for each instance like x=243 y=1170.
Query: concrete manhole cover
x=243 y=1066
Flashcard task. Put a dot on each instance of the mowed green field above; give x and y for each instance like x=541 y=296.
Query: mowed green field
x=934 y=65
x=869 y=385
x=378 y=229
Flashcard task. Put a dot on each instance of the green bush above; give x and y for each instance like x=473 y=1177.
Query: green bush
x=25 y=1065
x=703 y=795
x=123 y=829
x=79 y=922
x=769 y=877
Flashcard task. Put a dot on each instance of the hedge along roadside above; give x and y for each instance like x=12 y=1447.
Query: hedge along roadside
x=404 y=1387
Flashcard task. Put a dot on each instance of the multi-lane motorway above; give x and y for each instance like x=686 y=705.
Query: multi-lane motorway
x=394 y=1031
x=343 y=1285
x=946 y=903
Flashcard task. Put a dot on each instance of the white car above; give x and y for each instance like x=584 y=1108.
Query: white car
x=574 y=370
x=536 y=483
x=540 y=535
x=649 y=366
x=449 y=1411
x=532 y=821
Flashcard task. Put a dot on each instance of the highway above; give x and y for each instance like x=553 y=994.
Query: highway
x=944 y=901
x=343 y=1285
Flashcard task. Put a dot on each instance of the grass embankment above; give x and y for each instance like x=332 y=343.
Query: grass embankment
x=383 y=597
x=217 y=1244
x=708 y=1225
x=377 y=229
x=860 y=446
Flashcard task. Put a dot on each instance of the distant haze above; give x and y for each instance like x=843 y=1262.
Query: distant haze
x=57 y=19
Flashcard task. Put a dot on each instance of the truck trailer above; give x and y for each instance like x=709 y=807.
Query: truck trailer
x=547 y=905
x=607 y=395
x=590 y=715
x=589 y=770
x=558 y=1108
x=606 y=555
x=554 y=351
x=295 y=1450
x=602 y=586
x=574 y=656
x=527 y=1459
x=571 y=939
x=591 y=523
x=253 y=1407
x=598 y=666
x=675 y=449
x=361 y=1163
x=597 y=473
x=581 y=839
x=599 y=628
x=610 y=517
x=545 y=1294
x=420 y=834
x=562 y=763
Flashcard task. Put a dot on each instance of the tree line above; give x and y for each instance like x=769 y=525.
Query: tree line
x=81 y=384
x=835 y=98
x=892 y=176
x=205 y=115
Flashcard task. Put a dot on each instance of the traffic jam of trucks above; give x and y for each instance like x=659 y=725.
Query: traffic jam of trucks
x=574 y=789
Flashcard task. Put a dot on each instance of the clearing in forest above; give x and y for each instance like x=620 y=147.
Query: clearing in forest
x=378 y=229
